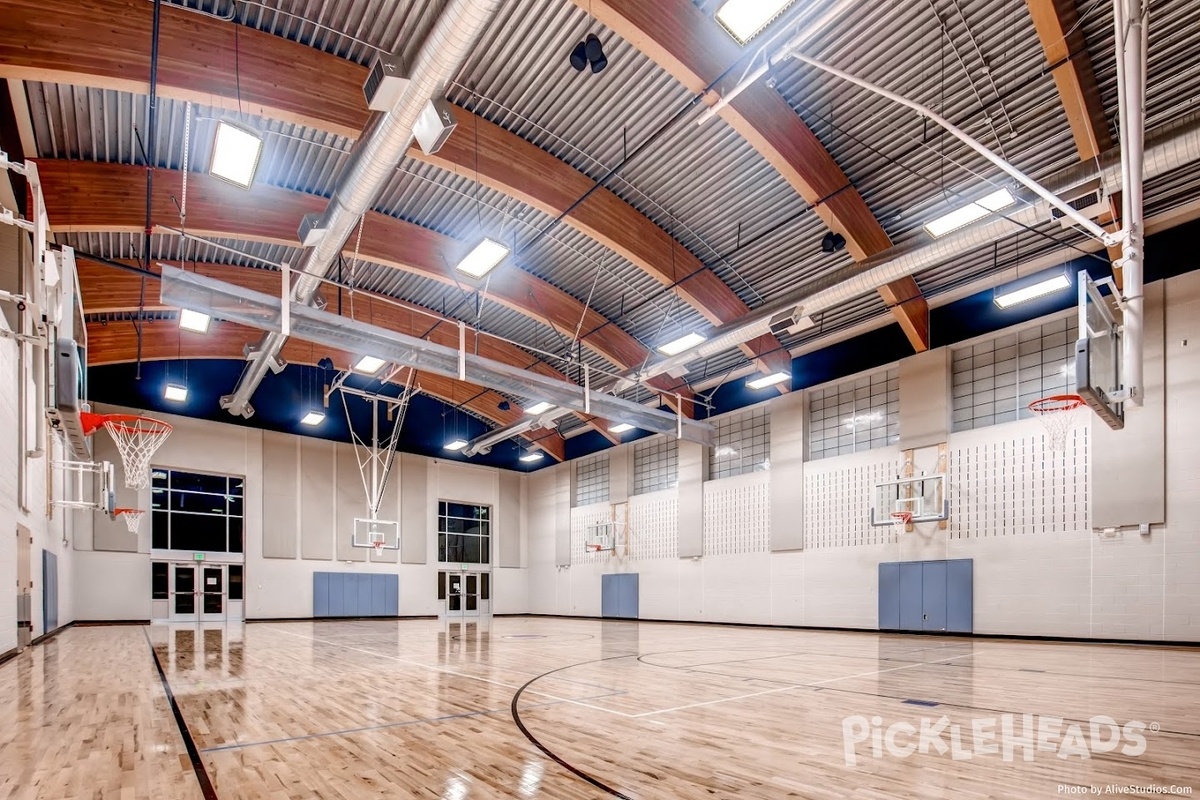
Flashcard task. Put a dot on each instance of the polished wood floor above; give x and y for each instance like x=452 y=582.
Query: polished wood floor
x=396 y=709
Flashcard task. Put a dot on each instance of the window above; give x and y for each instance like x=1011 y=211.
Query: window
x=235 y=581
x=742 y=444
x=464 y=533
x=192 y=511
x=854 y=416
x=591 y=480
x=995 y=381
x=655 y=464
x=160 y=581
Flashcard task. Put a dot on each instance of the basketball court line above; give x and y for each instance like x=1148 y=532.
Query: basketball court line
x=456 y=674
x=796 y=686
x=384 y=726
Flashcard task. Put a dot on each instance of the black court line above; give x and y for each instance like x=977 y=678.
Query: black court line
x=206 y=787
x=516 y=715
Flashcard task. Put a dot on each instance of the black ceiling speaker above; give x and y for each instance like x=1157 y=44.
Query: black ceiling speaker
x=595 y=52
x=832 y=242
x=579 y=57
x=503 y=405
x=325 y=363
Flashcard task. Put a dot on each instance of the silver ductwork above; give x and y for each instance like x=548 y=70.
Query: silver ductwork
x=371 y=164
x=1168 y=147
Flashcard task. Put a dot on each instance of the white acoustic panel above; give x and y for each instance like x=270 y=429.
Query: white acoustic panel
x=837 y=499
x=654 y=526
x=737 y=515
x=1016 y=485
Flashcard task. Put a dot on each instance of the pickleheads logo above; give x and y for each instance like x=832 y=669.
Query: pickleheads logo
x=1006 y=735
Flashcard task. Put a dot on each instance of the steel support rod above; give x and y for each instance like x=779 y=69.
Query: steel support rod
x=1130 y=27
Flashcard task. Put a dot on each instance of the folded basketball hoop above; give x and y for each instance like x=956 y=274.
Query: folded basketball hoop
x=1057 y=413
x=137 y=439
x=133 y=517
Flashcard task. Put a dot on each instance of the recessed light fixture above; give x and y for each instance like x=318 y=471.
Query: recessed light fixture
x=763 y=381
x=535 y=455
x=971 y=212
x=368 y=365
x=483 y=259
x=1030 y=288
x=620 y=427
x=194 y=321
x=456 y=445
x=175 y=392
x=236 y=151
x=677 y=346
x=539 y=408
x=313 y=418
x=745 y=19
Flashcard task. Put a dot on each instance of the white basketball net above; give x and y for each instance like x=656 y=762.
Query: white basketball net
x=133 y=518
x=1058 y=415
x=900 y=521
x=137 y=439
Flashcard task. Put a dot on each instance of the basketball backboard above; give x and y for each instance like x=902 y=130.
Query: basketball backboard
x=1098 y=375
x=378 y=534
x=923 y=496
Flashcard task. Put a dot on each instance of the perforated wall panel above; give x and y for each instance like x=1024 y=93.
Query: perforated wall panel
x=837 y=499
x=1017 y=486
x=654 y=526
x=737 y=515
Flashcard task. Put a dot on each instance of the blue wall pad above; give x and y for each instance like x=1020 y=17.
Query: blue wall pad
x=619 y=595
x=353 y=594
x=927 y=596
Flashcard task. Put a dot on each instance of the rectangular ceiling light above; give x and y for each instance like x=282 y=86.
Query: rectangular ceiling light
x=539 y=408
x=313 y=418
x=685 y=342
x=1022 y=291
x=235 y=154
x=175 y=392
x=972 y=212
x=368 y=365
x=745 y=19
x=456 y=445
x=483 y=259
x=763 y=381
x=536 y=455
x=620 y=427
x=194 y=321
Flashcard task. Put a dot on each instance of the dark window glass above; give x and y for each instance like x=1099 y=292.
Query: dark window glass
x=198 y=503
x=160 y=581
x=235 y=506
x=485 y=588
x=197 y=532
x=195 y=482
x=158 y=478
x=441 y=586
x=158 y=498
x=235 y=582
x=235 y=534
x=441 y=547
x=158 y=531
x=236 y=486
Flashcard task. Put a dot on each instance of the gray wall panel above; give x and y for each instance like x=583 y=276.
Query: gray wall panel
x=562 y=514
x=925 y=399
x=351 y=503
x=507 y=536
x=320 y=594
x=281 y=495
x=317 y=499
x=1129 y=466
x=414 y=508
x=693 y=464
x=787 y=472
x=911 y=597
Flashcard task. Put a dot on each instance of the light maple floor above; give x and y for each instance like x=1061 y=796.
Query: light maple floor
x=396 y=709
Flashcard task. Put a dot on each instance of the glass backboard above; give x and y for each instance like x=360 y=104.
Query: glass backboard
x=1098 y=351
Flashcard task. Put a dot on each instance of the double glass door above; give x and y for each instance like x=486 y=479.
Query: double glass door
x=201 y=592
x=466 y=594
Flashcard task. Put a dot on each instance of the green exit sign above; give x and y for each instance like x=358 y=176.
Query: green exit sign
x=197 y=556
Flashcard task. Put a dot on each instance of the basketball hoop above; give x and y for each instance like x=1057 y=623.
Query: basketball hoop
x=133 y=517
x=1057 y=413
x=901 y=519
x=378 y=545
x=593 y=548
x=137 y=439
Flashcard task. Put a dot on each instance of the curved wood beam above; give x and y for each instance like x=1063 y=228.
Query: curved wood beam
x=117 y=343
x=84 y=196
x=39 y=40
x=107 y=290
x=693 y=49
